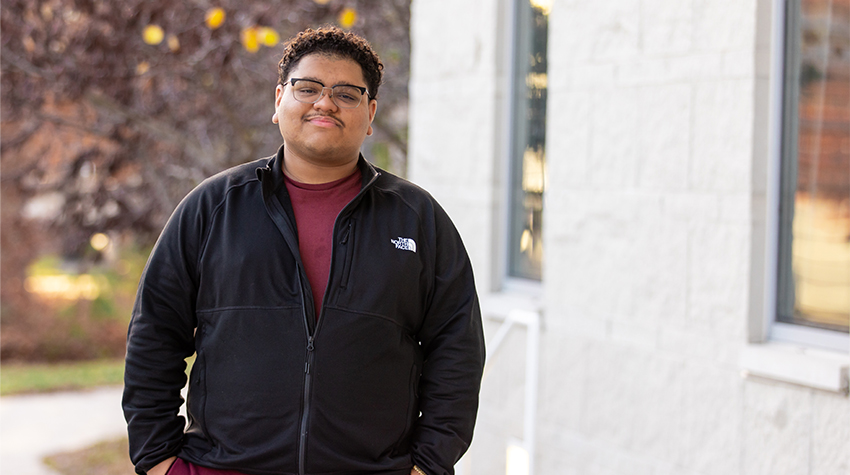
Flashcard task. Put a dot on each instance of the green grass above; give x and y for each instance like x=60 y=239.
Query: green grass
x=105 y=458
x=21 y=378
x=27 y=378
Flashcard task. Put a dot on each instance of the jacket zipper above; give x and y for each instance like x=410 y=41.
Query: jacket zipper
x=305 y=414
x=302 y=442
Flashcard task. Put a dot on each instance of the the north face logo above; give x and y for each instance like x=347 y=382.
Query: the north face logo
x=405 y=244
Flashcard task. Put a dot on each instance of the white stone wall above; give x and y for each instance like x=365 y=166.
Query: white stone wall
x=653 y=219
x=454 y=104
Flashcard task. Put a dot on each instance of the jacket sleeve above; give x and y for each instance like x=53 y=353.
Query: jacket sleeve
x=160 y=337
x=453 y=344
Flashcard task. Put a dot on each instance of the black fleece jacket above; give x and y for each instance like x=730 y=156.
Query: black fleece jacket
x=386 y=377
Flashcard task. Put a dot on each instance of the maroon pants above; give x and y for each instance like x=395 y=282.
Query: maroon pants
x=181 y=467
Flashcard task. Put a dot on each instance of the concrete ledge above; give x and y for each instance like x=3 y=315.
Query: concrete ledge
x=818 y=369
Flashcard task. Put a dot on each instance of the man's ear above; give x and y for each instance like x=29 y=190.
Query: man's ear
x=278 y=96
x=373 y=108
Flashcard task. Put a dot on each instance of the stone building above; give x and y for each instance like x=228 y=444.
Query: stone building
x=656 y=198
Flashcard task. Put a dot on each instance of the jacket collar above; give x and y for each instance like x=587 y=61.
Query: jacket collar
x=271 y=175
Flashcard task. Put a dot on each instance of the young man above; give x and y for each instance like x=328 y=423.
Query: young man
x=331 y=305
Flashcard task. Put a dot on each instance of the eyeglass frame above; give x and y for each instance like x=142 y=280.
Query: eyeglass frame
x=363 y=90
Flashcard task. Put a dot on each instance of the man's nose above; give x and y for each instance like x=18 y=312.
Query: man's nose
x=326 y=101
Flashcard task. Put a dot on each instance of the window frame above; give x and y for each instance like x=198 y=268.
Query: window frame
x=781 y=97
x=513 y=162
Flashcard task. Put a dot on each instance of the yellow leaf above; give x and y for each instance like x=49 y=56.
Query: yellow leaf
x=29 y=44
x=347 y=17
x=99 y=241
x=322 y=2
x=215 y=17
x=249 y=39
x=173 y=43
x=268 y=36
x=153 y=35
x=142 y=68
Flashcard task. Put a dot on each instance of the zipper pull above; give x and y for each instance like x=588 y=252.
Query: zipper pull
x=347 y=233
x=309 y=355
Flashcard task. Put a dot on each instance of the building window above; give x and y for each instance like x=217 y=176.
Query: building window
x=528 y=144
x=814 y=235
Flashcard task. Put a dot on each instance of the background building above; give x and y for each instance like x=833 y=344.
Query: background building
x=663 y=186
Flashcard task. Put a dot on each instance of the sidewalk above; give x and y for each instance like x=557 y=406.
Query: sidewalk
x=34 y=426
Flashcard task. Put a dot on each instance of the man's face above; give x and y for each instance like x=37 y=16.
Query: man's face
x=323 y=133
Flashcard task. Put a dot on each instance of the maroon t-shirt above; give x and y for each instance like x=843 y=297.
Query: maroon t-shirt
x=316 y=208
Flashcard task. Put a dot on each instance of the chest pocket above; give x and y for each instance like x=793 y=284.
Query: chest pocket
x=382 y=273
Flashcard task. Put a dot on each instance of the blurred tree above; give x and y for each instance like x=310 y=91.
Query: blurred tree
x=112 y=110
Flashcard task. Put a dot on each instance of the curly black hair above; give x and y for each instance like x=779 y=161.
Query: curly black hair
x=333 y=41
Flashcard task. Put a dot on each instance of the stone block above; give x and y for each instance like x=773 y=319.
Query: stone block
x=696 y=67
x=617 y=32
x=570 y=24
x=664 y=135
x=643 y=71
x=596 y=271
x=735 y=208
x=680 y=69
x=595 y=31
x=667 y=27
x=436 y=143
x=659 y=410
x=640 y=335
x=613 y=143
x=712 y=419
x=586 y=77
x=695 y=345
x=567 y=209
x=567 y=140
x=723 y=25
x=472 y=43
x=830 y=434
x=689 y=206
x=777 y=429
x=613 y=375
x=616 y=254
x=722 y=147
x=717 y=281
x=739 y=64
x=659 y=264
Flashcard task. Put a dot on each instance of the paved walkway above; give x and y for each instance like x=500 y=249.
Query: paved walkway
x=34 y=426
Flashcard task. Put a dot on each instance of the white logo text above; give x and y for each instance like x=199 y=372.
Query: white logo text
x=405 y=244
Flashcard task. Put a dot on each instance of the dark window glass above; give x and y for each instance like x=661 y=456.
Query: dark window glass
x=814 y=244
x=528 y=149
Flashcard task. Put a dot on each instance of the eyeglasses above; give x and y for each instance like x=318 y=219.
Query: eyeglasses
x=311 y=92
